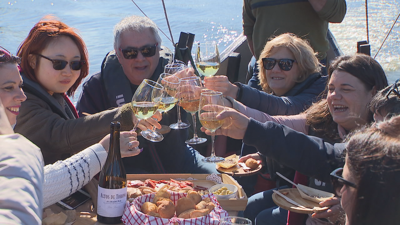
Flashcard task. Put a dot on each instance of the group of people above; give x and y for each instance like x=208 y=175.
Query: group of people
x=338 y=133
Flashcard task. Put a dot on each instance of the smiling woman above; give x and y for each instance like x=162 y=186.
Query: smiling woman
x=54 y=61
x=11 y=93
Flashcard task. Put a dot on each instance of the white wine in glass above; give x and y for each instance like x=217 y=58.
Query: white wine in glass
x=144 y=107
x=171 y=70
x=211 y=104
x=189 y=92
x=207 y=58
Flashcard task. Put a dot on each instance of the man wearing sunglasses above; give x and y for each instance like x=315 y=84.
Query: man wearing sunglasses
x=137 y=55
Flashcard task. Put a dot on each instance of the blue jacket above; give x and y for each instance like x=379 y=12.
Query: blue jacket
x=111 y=88
x=311 y=156
x=299 y=98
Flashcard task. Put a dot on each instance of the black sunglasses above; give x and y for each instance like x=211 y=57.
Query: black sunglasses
x=132 y=52
x=284 y=64
x=338 y=181
x=59 y=64
x=394 y=89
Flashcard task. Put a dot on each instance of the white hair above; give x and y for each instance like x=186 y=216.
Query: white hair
x=135 y=23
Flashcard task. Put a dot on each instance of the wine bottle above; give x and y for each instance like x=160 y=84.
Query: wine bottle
x=112 y=191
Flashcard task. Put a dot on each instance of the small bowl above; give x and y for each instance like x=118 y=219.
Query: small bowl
x=230 y=187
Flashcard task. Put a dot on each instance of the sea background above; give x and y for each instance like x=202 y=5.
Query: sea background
x=208 y=19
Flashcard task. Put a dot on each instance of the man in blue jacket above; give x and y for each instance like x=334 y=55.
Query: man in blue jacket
x=136 y=56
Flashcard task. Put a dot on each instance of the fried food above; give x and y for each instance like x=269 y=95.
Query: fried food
x=186 y=214
x=196 y=197
x=154 y=214
x=166 y=209
x=228 y=163
x=205 y=205
x=252 y=163
x=134 y=192
x=199 y=213
x=148 y=207
x=184 y=204
x=161 y=194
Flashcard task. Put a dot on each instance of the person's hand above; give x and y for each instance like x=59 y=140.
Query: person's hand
x=188 y=72
x=255 y=156
x=222 y=84
x=235 y=123
x=127 y=142
x=334 y=212
x=152 y=121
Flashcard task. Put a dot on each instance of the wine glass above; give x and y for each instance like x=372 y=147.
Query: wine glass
x=211 y=104
x=172 y=69
x=144 y=107
x=189 y=92
x=207 y=58
x=166 y=97
x=232 y=220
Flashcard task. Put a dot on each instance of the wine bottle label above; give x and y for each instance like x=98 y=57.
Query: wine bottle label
x=111 y=202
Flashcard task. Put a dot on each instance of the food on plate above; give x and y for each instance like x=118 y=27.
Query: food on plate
x=252 y=163
x=223 y=191
x=184 y=204
x=196 y=197
x=229 y=162
x=148 y=207
x=138 y=188
x=166 y=208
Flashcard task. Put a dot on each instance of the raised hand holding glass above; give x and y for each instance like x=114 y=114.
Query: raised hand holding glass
x=189 y=92
x=207 y=58
x=211 y=104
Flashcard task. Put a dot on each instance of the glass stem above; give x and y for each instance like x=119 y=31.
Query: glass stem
x=179 y=113
x=212 y=144
x=135 y=126
x=194 y=126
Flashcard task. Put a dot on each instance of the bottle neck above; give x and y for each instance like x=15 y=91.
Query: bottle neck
x=114 y=150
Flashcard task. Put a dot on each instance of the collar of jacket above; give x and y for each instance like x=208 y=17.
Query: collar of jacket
x=118 y=88
x=300 y=87
x=37 y=90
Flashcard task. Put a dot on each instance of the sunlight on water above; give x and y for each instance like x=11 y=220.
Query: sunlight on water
x=208 y=19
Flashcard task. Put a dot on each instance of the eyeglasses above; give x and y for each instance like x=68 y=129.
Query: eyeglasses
x=338 y=181
x=132 y=52
x=284 y=64
x=394 y=89
x=59 y=64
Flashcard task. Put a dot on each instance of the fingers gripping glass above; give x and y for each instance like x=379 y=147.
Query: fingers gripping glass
x=59 y=64
x=142 y=103
x=146 y=51
x=394 y=89
x=338 y=181
x=284 y=64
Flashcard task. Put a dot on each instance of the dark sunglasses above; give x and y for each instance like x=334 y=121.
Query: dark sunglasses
x=394 y=89
x=132 y=52
x=338 y=181
x=59 y=64
x=284 y=64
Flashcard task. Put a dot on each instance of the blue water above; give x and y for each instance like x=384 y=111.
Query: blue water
x=208 y=19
